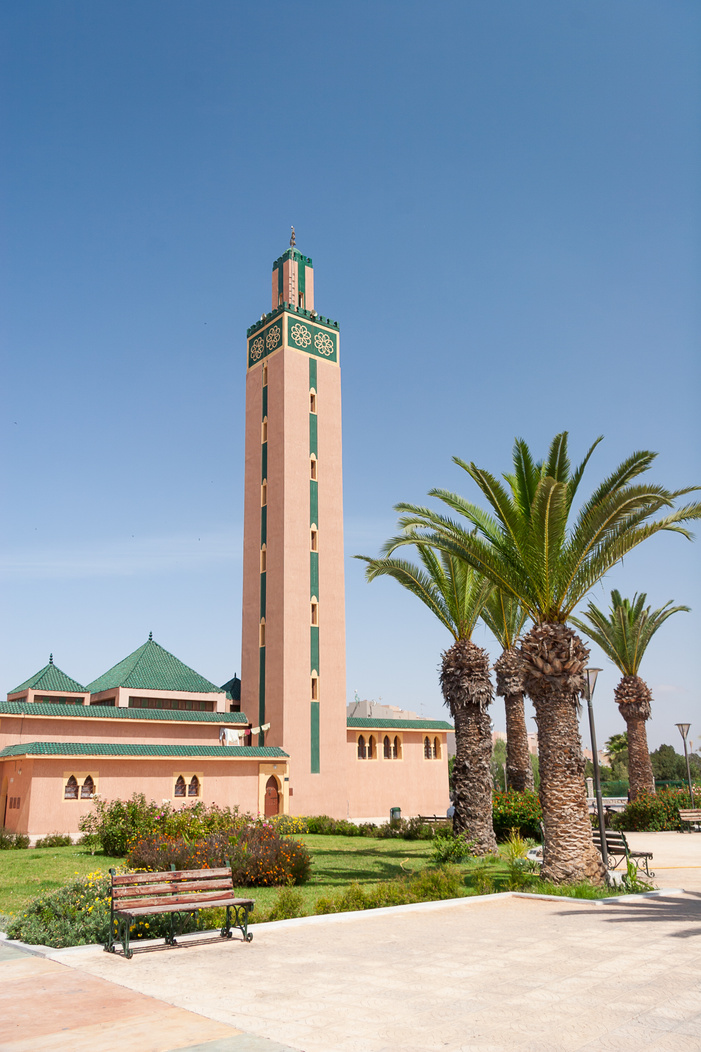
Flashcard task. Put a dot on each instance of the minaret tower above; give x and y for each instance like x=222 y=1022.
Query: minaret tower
x=293 y=659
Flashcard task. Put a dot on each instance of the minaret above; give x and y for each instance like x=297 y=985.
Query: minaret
x=293 y=660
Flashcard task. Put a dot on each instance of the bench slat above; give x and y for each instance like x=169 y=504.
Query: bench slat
x=170 y=874
x=202 y=897
x=183 y=907
x=173 y=887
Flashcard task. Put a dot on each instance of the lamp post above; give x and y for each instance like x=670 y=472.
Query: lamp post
x=683 y=729
x=591 y=675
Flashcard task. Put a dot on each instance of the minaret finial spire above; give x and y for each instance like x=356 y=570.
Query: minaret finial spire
x=293 y=239
x=51 y=659
x=150 y=637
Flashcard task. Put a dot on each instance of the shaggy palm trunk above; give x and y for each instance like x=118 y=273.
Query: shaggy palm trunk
x=467 y=690
x=633 y=698
x=555 y=660
x=509 y=671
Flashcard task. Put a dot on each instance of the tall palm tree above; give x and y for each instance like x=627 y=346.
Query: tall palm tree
x=624 y=634
x=528 y=547
x=456 y=594
x=505 y=617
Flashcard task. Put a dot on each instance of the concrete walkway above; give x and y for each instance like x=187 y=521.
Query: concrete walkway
x=494 y=974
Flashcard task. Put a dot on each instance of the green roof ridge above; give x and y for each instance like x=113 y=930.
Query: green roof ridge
x=41 y=708
x=223 y=752
x=372 y=722
x=50 y=677
x=151 y=667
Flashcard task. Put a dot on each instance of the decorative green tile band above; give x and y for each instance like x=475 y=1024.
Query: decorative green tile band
x=264 y=461
x=314 y=648
x=313 y=502
x=263 y=590
x=313 y=431
x=263 y=526
x=292 y=329
x=315 y=764
x=261 y=694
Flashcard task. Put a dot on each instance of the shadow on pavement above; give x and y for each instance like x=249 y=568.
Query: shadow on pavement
x=674 y=909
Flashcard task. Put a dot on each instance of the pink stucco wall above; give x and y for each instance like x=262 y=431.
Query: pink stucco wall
x=416 y=785
x=17 y=729
x=39 y=782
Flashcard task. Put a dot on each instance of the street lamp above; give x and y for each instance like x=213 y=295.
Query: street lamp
x=591 y=677
x=683 y=729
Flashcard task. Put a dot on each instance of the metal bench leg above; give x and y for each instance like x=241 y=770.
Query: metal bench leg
x=226 y=932
x=241 y=922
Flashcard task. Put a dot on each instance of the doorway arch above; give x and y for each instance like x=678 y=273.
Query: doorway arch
x=272 y=797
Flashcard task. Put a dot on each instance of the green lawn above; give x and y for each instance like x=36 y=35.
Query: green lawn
x=338 y=860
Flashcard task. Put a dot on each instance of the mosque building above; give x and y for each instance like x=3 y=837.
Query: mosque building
x=280 y=739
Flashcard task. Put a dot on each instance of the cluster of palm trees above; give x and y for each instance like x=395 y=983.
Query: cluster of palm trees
x=534 y=555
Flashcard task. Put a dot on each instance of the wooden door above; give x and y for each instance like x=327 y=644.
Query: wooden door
x=272 y=797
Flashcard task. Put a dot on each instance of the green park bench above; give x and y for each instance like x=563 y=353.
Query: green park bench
x=619 y=851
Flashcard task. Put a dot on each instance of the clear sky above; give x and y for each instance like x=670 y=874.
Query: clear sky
x=501 y=201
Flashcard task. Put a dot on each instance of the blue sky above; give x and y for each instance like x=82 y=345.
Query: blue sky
x=501 y=202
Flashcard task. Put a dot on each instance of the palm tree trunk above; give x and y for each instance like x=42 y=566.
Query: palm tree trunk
x=472 y=778
x=467 y=690
x=640 y=775
x=555 y=659
x=633 y=697
x=509 y=670
x=519 y=770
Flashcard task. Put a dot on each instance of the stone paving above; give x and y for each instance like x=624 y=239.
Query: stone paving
x=493 y=974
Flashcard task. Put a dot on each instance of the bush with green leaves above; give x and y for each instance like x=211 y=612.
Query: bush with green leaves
x=652 y=813
x=451 y=849
x=405 y=829
x=258 y=855
x=519 y=811
x=116 y=824
x=324 y=825
x=12 y=841
x=55 y=840
x=443 y=882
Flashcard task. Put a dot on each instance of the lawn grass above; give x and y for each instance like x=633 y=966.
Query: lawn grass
x=25 y=873
x=337 y=862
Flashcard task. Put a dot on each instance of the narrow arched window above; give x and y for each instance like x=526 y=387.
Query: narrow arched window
x=87 y=789
x=427 y=748
x=397 y=747
x=361 y=748
x=180 y=786
x=265 y=373
x=71 y=790
x=371 y=748
x=193 y=788
x=387 y=748
x=436 y=748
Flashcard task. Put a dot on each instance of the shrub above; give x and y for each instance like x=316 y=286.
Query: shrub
x=11 y=841
x=652 y=813
x=405 y=829
x=451 y=849
x=288 y=825
x=288 y=904
x=55 y=840
x=427 y=886
x=258 y=855
x=516 y=811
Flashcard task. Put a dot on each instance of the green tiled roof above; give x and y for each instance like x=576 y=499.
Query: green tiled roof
x=404 y=725
x=153 y=668
x=232 y=688
x=217 y=752
x=50 y=678
x=107 y=712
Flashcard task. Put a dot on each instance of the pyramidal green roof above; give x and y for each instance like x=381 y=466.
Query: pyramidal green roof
x=153 y=668
x=50 y=678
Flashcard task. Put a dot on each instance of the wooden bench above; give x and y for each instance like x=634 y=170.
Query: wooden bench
x=175 y=891
x=690 y=816
x=433 y=820
x=619 y=851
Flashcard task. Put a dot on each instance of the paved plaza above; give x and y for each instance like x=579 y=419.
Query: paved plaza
x=493 y=974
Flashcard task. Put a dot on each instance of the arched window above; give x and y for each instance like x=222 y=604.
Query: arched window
x=361 y=748
x=87 y=789
x=265 y=373
x=436 y=749
x=371 y=748
x=312 y=467
x=180 y=786
x=397 y=747
x=71 y=790
x=427 y=748
x=193 y=788
x=264 y=430
x=387 y=748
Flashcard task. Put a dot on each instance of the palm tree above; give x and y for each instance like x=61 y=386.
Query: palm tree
x=456 y=594
x=624 y=634
x=528 y=547
x=505 y=617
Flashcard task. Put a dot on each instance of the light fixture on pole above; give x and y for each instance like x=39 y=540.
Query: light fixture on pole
x=683 y=729
x=591 y=675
